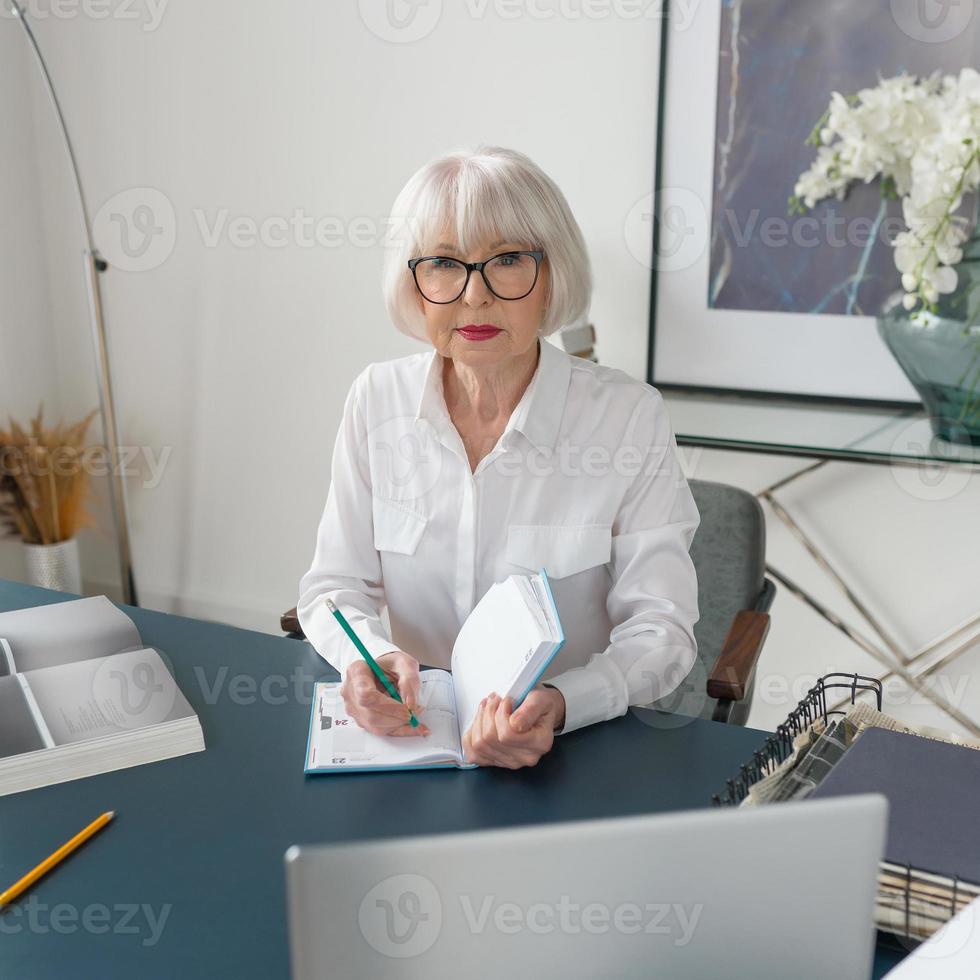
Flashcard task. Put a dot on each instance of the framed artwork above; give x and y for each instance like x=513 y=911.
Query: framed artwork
x=744 y=296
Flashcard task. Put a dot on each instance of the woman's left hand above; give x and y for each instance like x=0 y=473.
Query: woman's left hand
x=500 y=736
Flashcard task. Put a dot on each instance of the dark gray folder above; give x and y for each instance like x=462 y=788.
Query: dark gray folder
x=933 y=790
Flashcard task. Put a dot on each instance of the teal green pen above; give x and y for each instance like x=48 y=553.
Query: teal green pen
x=372 y=663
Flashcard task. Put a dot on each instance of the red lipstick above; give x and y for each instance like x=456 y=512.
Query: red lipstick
x=479 y=331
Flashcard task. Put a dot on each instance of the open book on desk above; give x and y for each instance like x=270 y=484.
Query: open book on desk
x=505 y=645
x=80 y=694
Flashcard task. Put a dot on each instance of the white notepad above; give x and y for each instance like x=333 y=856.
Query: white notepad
x=505 y=645
x=953 y=953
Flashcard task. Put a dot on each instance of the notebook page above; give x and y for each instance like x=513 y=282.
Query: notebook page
x=537 y=603
x=63 y=633
x=540 y=608
x=498 y=638
x=19 y=730
x=338 y=742
x=103 y=696
x=951 y=954
x=543 y=596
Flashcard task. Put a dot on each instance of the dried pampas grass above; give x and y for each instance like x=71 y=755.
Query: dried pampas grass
x=44 y=482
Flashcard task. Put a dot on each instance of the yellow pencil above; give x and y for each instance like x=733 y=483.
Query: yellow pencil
x=59 y=855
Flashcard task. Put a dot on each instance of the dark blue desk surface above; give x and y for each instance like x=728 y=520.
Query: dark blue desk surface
x=203 y=836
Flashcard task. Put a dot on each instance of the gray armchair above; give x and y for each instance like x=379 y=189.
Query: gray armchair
x=734 y=596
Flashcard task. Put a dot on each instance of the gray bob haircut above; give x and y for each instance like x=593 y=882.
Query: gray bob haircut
x=483 y=195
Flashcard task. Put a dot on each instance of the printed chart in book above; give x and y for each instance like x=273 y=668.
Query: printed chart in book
x=505 y=645
x=80 y=694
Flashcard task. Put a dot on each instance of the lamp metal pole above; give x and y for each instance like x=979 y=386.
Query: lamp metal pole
x=95 y=265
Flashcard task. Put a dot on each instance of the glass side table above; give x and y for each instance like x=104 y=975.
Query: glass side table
x=826 y=432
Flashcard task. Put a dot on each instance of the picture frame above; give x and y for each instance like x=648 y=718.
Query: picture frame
x=801 y=356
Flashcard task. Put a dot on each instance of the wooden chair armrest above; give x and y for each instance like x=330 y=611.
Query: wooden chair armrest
x=732 y=673
x=289 y=622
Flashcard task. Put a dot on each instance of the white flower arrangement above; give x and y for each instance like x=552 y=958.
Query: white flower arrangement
x=922 y=137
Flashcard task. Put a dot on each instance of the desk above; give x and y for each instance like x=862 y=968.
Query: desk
x=899 y=437
x=204 y=835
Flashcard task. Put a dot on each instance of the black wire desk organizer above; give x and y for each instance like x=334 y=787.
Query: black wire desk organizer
x=779 y=745
x=911 y=903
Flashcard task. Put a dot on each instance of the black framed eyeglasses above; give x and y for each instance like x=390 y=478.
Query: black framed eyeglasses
x=509 y=275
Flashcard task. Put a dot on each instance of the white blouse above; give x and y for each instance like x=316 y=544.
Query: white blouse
x=584 y=482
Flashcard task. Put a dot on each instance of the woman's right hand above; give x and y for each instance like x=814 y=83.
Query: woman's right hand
x=370 y=705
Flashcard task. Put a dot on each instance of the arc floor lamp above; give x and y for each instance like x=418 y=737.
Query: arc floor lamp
x=95 y=265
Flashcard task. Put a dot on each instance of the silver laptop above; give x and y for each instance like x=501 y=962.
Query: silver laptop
x=782 y=891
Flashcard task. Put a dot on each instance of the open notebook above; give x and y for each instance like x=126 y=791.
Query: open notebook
x=80 y=694
x=505 y=645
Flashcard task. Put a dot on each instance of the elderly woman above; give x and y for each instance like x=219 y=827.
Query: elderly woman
x=493 y=453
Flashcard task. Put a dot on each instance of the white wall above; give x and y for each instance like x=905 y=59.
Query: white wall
x=235 y=359
x=27 y=358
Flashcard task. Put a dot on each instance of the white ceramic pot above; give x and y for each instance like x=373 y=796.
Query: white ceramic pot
x=54 y=566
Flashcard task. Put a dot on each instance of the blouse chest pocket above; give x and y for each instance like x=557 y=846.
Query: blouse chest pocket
x=559 y=549
x=397 y=527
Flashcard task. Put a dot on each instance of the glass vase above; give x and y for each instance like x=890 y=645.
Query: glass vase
x=54 y=566
x=940 y=352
